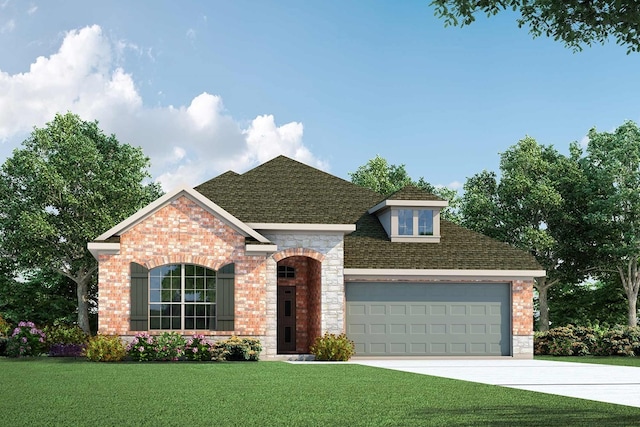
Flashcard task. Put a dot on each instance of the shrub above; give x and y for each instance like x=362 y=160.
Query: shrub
x=26 y=340
x=142 y=348
x=566 y=341
x=65 y=334
x=619 y=341
x=105 y=348
x=5 y=328
x=197 y=348
x=239 y=349
x=67 y=350
x=169 y=346
x=3 y=345
x=333 y=347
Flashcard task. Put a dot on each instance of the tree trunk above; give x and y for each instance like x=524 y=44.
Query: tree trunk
x=82 y=291
x=632 y=319
x=631 y=284
x=542 y=286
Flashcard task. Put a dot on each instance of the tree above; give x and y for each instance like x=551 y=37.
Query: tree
x=378 y=175
x=611 y=166
x=525 y=209
x=66 y=185
x=381 y=177
x=574 y=22
x=43 y=298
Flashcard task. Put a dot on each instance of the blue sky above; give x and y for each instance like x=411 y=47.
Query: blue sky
x=204 y=87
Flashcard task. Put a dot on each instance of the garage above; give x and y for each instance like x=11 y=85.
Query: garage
x=429 y=319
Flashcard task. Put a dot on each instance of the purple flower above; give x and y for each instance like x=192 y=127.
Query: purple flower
x=141 y=349
x=24 y=340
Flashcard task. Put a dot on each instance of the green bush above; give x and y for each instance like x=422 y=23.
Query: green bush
x=105 y=348
x=333 y=347
x=619 y=341
x=26 y=340
x=65 y=334
x=3 y=345
x=197 y=348
x=236 y=348
x=566 y=341
x=5 y=328
x=169 y=346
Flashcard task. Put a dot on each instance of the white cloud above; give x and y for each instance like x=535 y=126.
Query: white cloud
x=33 y=9
x=8 y=26
x=186 y=144
x=191 y=34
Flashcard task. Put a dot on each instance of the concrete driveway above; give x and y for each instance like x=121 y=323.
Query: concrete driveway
x=604 y=383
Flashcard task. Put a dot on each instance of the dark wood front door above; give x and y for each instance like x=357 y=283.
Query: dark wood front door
x=286 y=319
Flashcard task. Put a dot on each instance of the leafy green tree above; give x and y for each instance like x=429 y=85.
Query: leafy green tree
x=611 y=166
x=67 y=184
x=42 y=297
x=378 y=175
x=588 y=304
x=574 y=22
x=524 y=208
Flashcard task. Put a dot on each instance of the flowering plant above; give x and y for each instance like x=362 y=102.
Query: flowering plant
x=198 y=348
x=142 y=348
x=26 y=340
x=169 y=346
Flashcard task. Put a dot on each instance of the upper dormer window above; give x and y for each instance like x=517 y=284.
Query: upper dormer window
x=411 y=215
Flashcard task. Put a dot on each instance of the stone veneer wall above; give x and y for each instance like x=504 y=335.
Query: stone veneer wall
x=183 y=232
x=327 y=249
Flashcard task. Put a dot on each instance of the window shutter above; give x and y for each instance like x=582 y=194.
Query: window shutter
x=224 y=298
x=139 y=320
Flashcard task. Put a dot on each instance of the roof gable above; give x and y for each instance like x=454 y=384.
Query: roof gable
x=192 y=194
x=284 y=190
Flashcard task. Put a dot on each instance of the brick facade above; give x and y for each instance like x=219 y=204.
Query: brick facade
x=182 y=232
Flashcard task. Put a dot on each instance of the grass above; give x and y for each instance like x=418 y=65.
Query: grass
x=602 y=360
x=63 y=392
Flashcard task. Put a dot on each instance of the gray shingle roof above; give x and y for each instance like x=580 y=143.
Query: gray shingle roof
x=283 y=190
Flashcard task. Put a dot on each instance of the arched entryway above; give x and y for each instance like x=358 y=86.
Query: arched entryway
x=299 y=296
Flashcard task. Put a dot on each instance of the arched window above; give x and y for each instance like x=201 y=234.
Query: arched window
x=182 y=297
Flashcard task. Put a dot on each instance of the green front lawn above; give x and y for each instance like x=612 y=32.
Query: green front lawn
x=602 y=360
x=61 y=392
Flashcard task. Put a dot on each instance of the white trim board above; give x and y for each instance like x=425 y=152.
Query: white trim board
x=352 y=274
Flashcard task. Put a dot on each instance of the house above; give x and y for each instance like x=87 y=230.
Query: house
x=285 y=252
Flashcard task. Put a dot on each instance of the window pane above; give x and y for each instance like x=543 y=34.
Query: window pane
x=201 y=323
x=425 y=222
x=405 y=222
x=154 y=323
x=165 y=323
x=155 y=310
x=176 y=323
x=154 y=296
x=155 y=282
x=189 y=323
